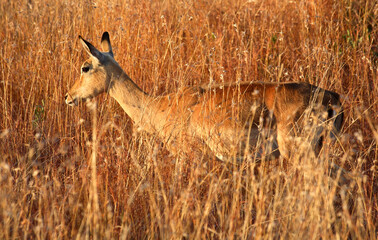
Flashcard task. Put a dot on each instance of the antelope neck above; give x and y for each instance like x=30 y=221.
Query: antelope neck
x=132 y=99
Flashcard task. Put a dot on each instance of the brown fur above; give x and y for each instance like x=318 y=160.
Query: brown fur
x=225 y=117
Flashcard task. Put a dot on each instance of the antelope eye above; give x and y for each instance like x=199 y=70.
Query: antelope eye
x=85 y=69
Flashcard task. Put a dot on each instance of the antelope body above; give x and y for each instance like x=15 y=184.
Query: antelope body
x=227 y=118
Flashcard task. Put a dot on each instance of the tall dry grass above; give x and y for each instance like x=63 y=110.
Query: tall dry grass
x=48 y=189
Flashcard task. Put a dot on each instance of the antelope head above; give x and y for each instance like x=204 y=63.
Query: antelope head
x=96 y=72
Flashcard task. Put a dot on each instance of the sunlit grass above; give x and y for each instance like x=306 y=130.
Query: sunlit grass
x=47 y=148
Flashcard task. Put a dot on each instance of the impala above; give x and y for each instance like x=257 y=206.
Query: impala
x=228 y=118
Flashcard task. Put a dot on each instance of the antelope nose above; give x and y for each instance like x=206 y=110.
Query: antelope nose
x=68 y=99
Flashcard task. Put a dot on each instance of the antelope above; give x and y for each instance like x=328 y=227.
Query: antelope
x=228 y=118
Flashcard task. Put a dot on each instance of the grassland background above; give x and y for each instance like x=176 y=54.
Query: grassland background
x=46 y=147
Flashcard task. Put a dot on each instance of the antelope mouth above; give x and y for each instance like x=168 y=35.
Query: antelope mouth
x=75 y=101
x=71 y=101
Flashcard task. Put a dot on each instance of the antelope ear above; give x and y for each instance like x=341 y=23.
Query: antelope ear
x=91 y=50
x=105 y=43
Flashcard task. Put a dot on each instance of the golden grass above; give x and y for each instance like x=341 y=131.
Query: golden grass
x=47 y=188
